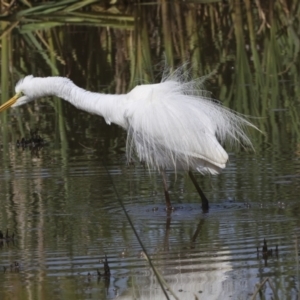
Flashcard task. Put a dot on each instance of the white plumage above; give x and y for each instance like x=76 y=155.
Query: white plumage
x=172 y=128
x=171 y=124
x=168 y=124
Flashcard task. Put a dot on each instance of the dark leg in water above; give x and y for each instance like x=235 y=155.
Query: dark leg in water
x=167 y=197
x=205 y=205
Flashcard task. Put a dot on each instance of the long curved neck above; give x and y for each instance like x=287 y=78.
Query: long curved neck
x=109 y=106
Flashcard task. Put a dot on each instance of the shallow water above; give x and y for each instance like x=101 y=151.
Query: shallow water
x=64 y=206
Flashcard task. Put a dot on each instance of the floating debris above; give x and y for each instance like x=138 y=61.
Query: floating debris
x=6 y=237
x=89 y=276
x=15 y=267
x=106 y=268
x=265 y=247
x=100 y=276
x=266 y=252
x=35 y=141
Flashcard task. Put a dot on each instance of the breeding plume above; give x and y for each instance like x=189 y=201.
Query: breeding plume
x=171 y=124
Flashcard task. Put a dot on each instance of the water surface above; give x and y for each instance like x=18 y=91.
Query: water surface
x=63 y=204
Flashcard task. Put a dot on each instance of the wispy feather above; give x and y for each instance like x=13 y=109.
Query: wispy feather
x=174 y=124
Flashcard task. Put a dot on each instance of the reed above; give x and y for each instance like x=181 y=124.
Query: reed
x=247 y=48
x=250 y=48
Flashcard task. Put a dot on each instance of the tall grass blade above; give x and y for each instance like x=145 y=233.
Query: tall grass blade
x=42 y=52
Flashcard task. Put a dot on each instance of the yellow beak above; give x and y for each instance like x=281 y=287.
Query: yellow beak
x=10 y=102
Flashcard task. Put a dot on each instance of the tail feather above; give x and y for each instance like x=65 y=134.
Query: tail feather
x=173 y=125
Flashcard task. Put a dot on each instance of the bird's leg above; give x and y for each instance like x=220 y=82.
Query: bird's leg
x=165 y=184
x=205 y=205
x=167 y=232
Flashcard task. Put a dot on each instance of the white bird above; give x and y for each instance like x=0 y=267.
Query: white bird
x=171 y=124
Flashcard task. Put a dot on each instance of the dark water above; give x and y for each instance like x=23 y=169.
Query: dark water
x=63 y=204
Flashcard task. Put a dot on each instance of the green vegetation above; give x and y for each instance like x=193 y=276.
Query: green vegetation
x=249 y=51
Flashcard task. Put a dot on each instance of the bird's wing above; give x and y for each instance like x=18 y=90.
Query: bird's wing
x=170 y=128
x=161 y=157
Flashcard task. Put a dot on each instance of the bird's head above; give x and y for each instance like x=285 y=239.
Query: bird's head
x=25 y=92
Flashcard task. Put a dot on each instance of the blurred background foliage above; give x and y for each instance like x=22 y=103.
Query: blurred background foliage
x=258 y=39
x=248 y=50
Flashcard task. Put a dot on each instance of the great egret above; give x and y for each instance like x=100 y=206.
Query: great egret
x=171 y=124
